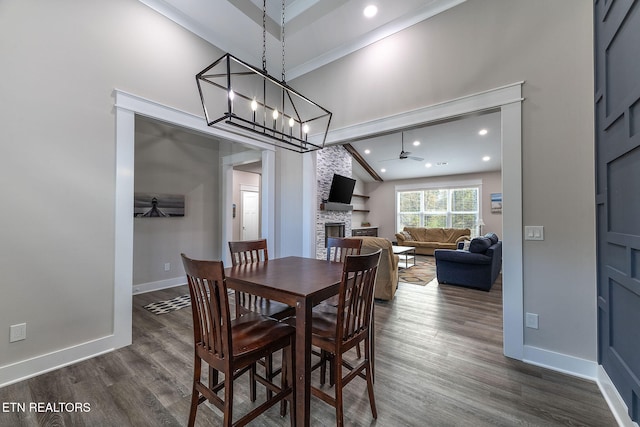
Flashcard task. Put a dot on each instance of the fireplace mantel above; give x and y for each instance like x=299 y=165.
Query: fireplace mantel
x=332 y=206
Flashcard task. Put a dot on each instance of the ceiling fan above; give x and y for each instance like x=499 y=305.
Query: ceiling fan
x=404 y=154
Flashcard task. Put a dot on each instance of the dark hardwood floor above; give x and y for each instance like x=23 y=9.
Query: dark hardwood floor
x=439 y=362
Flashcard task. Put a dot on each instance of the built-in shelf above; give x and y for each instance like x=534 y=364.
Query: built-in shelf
x=362 y=197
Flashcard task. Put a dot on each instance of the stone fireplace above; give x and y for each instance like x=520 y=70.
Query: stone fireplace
x=333 y=229
x=330 y=160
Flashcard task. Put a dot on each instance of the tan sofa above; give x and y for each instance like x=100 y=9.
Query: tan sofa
x=387 y=278
x=427 y=240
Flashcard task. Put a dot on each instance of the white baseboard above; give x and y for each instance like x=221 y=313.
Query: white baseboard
x=35 y=366
x=614 y=400
x=585 y=369
x=570 y=365
x=161 y=284
x=29 y=368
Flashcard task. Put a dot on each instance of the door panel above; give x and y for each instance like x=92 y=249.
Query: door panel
x=250 y=215
x=617 y=108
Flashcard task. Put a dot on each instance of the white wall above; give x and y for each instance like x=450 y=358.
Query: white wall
x=289 y=185
x=168 y=160
x=60 y=64
x=477 y=46
x=62 y=60
x=383 y=198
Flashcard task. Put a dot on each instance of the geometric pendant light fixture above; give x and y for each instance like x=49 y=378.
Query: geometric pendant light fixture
x=236 y=94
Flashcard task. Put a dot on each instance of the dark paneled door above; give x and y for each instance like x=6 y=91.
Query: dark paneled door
x=617 y=105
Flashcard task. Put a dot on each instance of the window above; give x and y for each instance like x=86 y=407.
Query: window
x=442 y=207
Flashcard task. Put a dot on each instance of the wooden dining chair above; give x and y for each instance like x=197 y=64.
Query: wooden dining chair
x=338 y=248
x=248 y=252
x=232 y=346
x=336 y=332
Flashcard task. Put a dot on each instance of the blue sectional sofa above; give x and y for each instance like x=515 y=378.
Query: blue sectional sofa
x=478 y=267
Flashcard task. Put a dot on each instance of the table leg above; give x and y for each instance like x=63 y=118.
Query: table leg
x=303 y=363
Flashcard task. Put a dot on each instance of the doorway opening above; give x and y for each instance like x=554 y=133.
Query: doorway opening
x=507 y=98
x=508 y=101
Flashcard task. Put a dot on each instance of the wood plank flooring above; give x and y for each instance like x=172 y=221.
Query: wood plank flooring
x=439 y=362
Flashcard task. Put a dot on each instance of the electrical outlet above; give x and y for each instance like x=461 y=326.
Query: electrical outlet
x=18 y=332
x=531 y=320
x=167 y=266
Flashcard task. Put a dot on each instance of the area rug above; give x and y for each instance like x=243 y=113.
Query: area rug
x=422 y=273
x=173 y=304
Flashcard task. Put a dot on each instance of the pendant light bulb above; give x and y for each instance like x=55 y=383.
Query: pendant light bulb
x=291 y=122
x=254 y=105
x=231 y=95
x=275 y=114
x=305 y=128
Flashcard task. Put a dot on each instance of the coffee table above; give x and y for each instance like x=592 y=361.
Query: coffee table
x=409 y=254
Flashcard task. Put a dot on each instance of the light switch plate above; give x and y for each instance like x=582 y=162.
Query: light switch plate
x=533 y=232
x=531 y=320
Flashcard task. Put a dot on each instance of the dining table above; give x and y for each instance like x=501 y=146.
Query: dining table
x=301 y=283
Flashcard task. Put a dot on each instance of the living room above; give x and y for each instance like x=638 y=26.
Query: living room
x=68 y=162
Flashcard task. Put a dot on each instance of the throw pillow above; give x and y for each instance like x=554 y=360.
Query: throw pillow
x=406 y=235
x=479 y=245
x=465 y=245
x=493 y=237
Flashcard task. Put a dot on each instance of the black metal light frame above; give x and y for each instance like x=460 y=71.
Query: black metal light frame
x=301 y=124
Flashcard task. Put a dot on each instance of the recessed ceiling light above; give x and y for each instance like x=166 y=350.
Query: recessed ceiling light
x=383 y=170
x=427 y=165
x=486 y=158
x=483 y=132
x=370 y=11
x=367 y=151
x=416 y=143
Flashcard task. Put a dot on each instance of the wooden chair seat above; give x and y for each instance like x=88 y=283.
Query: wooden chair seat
x=266 y=307
x=253 y=334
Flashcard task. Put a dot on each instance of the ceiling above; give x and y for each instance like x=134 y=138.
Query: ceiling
x=449 y=148
x=316 y=32
x=319 y=32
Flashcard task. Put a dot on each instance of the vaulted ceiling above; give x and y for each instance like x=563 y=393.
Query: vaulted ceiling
x=318 y=32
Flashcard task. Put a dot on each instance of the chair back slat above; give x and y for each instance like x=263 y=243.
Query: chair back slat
x=339 y=248
x=356 y=295
x=248 y=251
x=209 y=306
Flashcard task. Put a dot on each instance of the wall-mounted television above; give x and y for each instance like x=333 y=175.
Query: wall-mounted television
x=341 y=189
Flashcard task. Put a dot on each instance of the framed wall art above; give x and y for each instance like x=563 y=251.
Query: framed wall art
x=157 y=205
x=496 y=203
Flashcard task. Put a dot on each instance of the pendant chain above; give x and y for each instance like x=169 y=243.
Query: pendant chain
x=264 y=35
x=283 y=72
